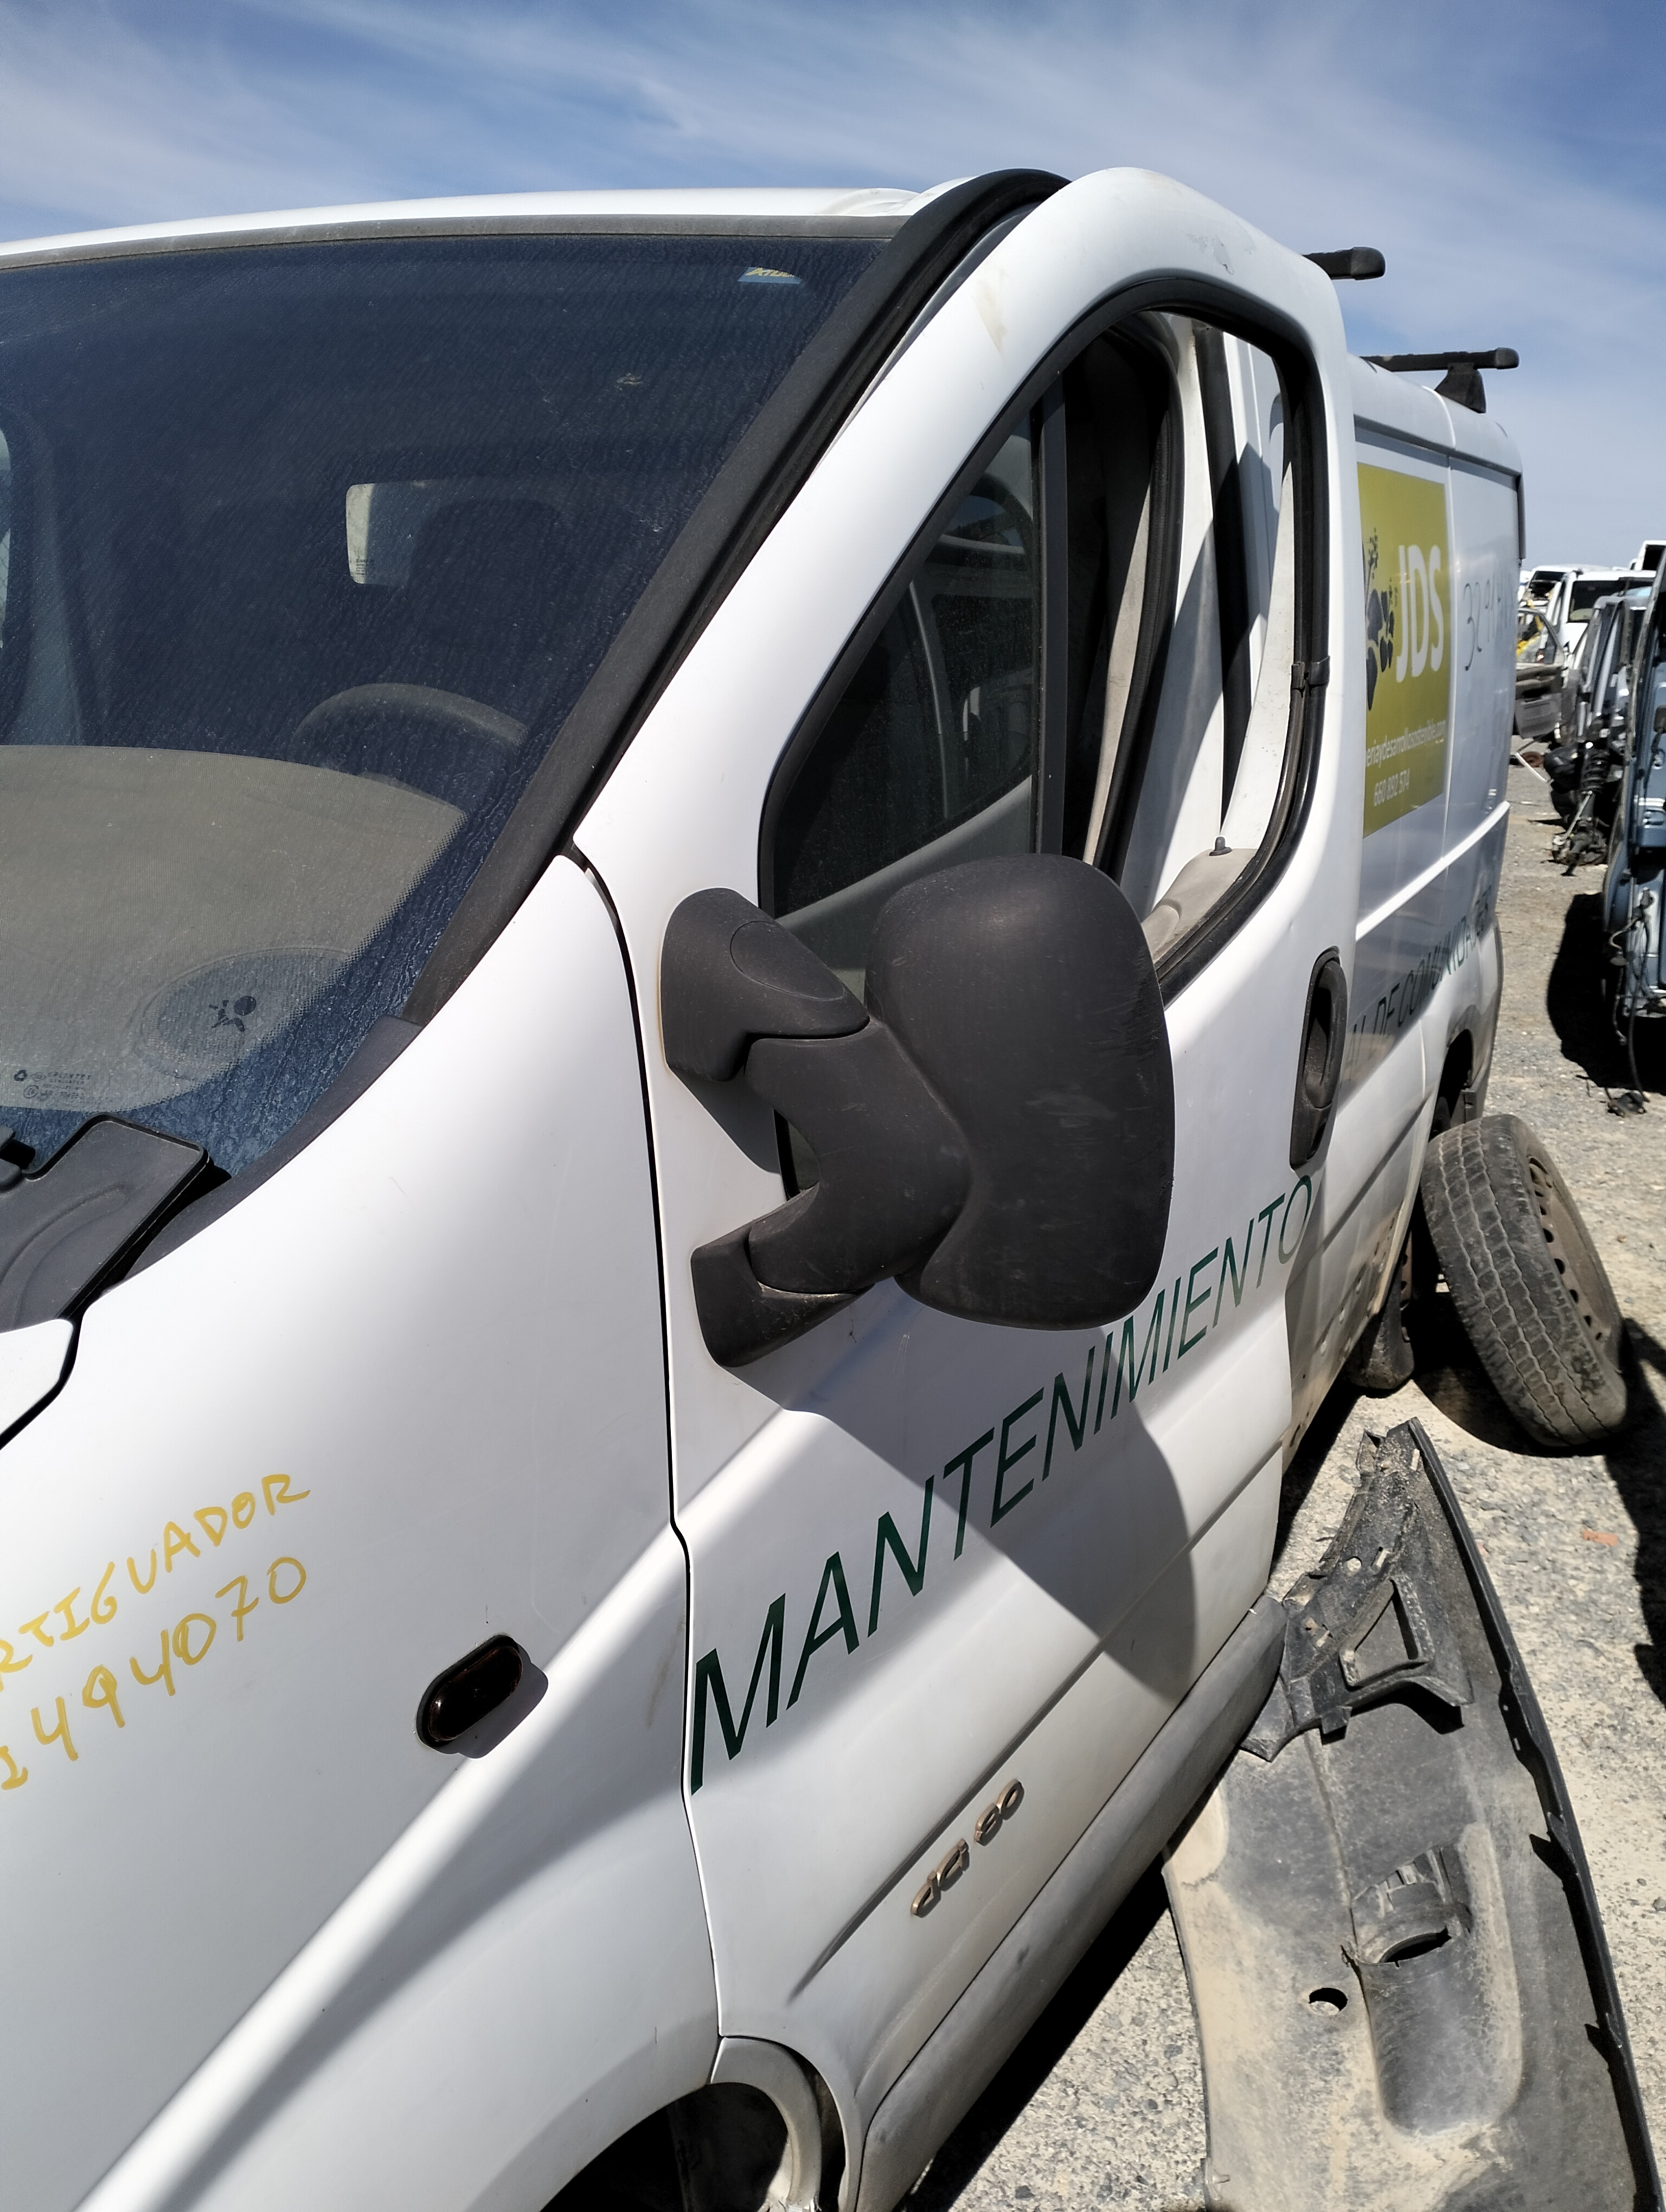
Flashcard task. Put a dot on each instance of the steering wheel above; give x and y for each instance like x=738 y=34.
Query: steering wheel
x=439 y=743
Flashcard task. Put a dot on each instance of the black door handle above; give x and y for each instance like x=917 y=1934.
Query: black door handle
x=1324 y=1033
x=473 y=1706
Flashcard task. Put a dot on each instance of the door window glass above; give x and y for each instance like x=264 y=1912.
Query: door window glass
x=926 y=754
x=1182 y=590
x=1130 y=708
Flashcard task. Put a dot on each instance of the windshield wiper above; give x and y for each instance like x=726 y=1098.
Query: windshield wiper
x=65 y=1231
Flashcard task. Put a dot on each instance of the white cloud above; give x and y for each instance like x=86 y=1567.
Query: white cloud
x=1440 y=135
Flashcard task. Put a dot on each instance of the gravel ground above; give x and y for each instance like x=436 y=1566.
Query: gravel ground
x=1102 y=2104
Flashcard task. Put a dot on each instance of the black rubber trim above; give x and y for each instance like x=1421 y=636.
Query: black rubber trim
x=1531 y=1735
x=1231 y=576
x=357 y=229
x=1307 y=454
x=750 y=494
x=1159 y=597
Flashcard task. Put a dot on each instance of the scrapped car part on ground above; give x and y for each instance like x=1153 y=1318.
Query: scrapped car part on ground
x=1404 y=1998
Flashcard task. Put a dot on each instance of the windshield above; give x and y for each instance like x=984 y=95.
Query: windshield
x=306 y=552
x=1587 y=591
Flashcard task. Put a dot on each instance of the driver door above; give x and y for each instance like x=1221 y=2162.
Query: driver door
x=948 y=1580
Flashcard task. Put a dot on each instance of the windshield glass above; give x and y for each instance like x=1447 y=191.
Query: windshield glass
x=1587 y=591
x=306 y=552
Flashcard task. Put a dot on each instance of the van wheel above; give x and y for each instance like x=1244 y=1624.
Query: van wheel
x=1526 y=1280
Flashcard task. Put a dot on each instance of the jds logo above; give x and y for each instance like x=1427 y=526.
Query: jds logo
x=1403 y=529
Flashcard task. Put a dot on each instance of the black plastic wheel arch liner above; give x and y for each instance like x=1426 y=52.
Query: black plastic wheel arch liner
x=747 y=497
x=1403 y=1993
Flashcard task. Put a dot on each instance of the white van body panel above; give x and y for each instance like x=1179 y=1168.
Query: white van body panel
x=782 y=1466
x=1427 y=966
x=460 y=1326
x=703 y=761
x=464 y=1269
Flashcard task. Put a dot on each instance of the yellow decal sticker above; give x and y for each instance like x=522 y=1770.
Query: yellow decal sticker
x=1406 y=547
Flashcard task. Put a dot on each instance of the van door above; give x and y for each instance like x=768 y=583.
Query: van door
x=939 y=1566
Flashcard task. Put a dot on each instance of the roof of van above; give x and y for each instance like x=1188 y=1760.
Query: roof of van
x=1385 y=400
x=805 y=211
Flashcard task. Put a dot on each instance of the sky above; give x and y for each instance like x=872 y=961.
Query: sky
x=1508 y=156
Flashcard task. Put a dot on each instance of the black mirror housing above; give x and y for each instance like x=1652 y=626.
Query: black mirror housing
x=998 y=1132
x=1022 y=989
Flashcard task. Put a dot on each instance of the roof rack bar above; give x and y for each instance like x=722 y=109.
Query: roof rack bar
x=1354 y=263
x=1499 y=357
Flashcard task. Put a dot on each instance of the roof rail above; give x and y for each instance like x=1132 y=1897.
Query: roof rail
x=1357 y=263
x=1461 y=383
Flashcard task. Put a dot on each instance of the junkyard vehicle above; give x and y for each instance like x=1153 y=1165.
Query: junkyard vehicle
x=735 y=926
x=1572 y=601
x=1540 y=672
x=1585 y=769
x=1574 y=704
x=1637 y=857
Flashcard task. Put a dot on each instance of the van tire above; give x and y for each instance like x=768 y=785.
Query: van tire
x=1524 y=1276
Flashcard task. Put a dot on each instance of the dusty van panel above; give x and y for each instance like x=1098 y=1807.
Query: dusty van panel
x=910 y=1096
x=1438 y=538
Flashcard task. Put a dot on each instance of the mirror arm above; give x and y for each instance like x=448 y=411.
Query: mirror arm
x=728 y=975
x=739 y=993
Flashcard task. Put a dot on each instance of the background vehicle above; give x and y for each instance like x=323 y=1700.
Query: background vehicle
x=1571 y=602
x=1586 y=768
x=1637 y=853
x=739 y=926
x=1540 y=672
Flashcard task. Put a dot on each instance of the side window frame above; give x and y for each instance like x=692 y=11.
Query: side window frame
x=1305 y=450
x=813 y=724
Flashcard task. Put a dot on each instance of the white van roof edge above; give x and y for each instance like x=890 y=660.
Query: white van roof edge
x=1387 y=402
x=750 y=210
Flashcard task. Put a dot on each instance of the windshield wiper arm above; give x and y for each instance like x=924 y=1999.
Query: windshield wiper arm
x=65 y=1231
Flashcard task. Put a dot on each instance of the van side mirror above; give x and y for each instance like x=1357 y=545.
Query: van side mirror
x=995 y=1128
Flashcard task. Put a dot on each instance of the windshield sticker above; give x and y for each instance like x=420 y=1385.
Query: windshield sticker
x=111 y=1687
x=995 y=1472
x=1404 y=547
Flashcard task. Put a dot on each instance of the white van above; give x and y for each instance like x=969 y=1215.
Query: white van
x=734 y=924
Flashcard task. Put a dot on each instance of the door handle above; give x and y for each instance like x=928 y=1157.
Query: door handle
x=473 y=1706
x=1324 y=1033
